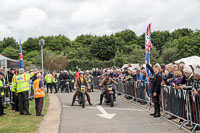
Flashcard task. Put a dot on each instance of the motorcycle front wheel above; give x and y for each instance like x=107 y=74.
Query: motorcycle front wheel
x=111 y=100
x=83 y=100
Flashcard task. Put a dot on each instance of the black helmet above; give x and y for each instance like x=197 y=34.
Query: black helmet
x=107 y=74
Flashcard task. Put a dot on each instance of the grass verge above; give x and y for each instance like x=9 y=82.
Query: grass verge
x=12 y=122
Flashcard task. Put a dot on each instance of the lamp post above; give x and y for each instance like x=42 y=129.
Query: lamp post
x=41 y=43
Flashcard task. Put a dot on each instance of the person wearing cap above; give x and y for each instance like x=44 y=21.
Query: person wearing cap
x=89 y=78
x=39 y=94
x=21 y=84
x=2 y=87
x=81 y=81
x=106 y=81
x=49 y=81
x=155 y=87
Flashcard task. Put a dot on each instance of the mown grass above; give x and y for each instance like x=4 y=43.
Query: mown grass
x=12 y=122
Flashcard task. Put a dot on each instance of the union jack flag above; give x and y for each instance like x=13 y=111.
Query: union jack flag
x=20 y=55
x=148 y=43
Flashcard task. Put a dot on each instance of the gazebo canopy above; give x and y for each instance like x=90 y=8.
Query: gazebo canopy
x=11 y=63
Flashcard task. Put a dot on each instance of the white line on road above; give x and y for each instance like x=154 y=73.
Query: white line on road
x=104 y=113
x=122 y=109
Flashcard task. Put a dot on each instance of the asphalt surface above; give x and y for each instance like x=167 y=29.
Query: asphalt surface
x=128 y=118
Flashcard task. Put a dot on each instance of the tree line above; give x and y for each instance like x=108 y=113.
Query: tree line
x=89 y=51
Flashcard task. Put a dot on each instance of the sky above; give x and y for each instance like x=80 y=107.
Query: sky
x=33 y=18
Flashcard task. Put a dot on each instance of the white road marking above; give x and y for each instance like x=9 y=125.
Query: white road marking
x=122 y=109
x=104 y=113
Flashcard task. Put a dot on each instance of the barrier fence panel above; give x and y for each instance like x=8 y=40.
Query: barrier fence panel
x=131 y=88
x=182 y=104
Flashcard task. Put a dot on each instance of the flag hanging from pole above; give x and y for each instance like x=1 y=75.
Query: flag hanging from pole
x=148 y=46
x=20 y=55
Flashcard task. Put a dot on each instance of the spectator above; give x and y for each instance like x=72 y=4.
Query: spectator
x=181 y=67
x=178 y=78
x=134 y=75
x=141 y=66
x=170 y=76
x=187 y=78
x=96 y=73
x=142 y=87
x=196 y=82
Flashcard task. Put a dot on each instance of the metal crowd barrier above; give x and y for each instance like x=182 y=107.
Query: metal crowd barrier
x=132 y=89
x=182 y=104
x=8 y=95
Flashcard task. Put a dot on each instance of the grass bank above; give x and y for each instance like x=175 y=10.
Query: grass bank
x=12 y=122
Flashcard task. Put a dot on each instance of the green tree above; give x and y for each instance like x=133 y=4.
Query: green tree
x=169 y=55
x=103 y=48
x=9 y=41
x=119 y=58
x=11 y=52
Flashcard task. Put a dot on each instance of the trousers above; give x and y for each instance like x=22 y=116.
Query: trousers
x=39 y=105
x=23 y=101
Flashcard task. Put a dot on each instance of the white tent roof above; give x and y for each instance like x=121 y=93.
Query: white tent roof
x=132 y=65
x=192 y=60
x=6 y=58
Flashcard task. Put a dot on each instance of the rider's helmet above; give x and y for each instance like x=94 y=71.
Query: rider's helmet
x=81 y=72
x=107 y=74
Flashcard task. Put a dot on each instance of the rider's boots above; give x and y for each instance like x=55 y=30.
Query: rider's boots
x=101 y=99
x=73 y=100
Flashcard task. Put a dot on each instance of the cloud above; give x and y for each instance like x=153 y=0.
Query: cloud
x=32 y=18
x=29 y=18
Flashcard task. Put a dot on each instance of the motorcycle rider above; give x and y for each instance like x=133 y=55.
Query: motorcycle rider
x=106 y=81
x=65 y=78
x=81 y=81
x=71 y=83
x=61 y=80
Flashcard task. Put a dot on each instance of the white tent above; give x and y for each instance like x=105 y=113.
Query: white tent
x=8 y=63
x=192 y=60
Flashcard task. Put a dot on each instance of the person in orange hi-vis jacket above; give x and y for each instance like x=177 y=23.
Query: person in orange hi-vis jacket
x=39 y=94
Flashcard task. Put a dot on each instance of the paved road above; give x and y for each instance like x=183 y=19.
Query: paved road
x=128 y=119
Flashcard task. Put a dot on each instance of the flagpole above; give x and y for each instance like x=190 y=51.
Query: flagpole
x=20 y=55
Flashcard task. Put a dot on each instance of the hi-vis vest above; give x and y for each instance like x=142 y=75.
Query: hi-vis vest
x=38 y=92
x=54 y=80
x=1 y=85
x=22 y=82
x=49 y=78
x=13 y=87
